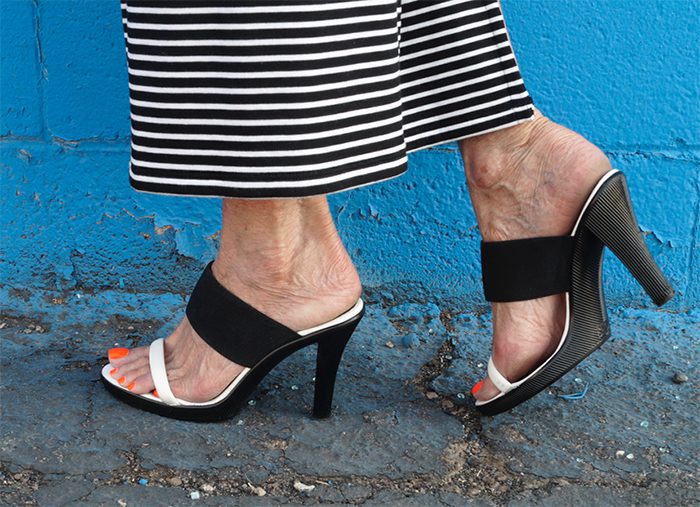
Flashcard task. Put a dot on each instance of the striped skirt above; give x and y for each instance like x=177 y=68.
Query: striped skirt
x=293 y=98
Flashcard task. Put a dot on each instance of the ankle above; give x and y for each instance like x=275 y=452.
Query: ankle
x=531 y=179
x=283 y=247
x=312 y=266
x=491 y=158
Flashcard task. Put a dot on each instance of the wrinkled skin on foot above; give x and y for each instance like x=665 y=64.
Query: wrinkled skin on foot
x=527 y=181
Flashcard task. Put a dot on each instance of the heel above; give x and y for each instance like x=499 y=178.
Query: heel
x=330 y=351
x=611 y=219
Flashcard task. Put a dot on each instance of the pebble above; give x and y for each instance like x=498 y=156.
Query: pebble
x=680 y=378
x=432 y=395
x=300 y=486
x=175 y=481
x=447 y=404
x=630 y=456
x=390 y=344
x=619 y=454
x=207 y=488
x=257 y=490
x=295 y=388
x=143 y=482
x=194 y=495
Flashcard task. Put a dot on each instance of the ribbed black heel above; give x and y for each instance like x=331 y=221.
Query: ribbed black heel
x=611 y=219
x=518 y=270
x=330 y=352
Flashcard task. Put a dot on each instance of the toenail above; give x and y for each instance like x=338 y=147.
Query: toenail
x=155 y=393
x=117 y=353
x=131 y=386
x=113 y=371
x=121 y=380
x=477 y=386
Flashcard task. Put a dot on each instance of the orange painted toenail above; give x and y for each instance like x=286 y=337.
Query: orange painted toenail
x=131 y=386
x=155 y=393
x=113 y=371
x=478 y=386
x=122 y=380
x=117 y=353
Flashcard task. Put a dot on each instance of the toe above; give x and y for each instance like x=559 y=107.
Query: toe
x=127 y=370
x=117 y=353
x=121 y=356
x=484 y=390
x=142 y=384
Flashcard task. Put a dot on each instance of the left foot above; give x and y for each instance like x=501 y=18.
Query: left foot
x=285 y=259
x=527 y=181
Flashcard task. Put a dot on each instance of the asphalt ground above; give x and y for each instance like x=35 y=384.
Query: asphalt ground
x=404 y=430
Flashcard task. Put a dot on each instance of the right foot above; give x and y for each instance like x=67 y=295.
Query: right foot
x=301 y=277
x=527 y=181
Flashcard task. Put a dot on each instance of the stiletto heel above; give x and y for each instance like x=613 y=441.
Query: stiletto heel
x=611 y=218
x=249 y=338
x=522 y=269
x=330 y=351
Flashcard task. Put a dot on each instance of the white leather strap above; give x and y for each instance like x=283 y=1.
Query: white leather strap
x=156 y=360
x=498 y=380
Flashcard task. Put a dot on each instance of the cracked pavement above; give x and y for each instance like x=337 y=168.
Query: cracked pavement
x=403 y=432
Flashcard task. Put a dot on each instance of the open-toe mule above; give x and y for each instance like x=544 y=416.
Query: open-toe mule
x=249 y=338
x=522 y=269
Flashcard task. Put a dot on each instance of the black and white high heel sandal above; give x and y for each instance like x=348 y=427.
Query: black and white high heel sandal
x=247 y=337
x=517 y=270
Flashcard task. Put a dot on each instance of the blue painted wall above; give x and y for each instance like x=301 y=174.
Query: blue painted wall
x=623 y=73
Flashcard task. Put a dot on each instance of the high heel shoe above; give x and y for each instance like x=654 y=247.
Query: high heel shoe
x=517 y=270
x=247 y=337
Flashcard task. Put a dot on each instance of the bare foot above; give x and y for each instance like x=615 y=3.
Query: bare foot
x=526 y=181
x=283 y=258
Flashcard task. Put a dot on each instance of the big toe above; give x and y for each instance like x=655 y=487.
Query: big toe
x=484 y=390
x=119 y=356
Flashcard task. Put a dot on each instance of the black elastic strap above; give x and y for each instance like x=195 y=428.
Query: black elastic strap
x=231 y=326
x=521 y=269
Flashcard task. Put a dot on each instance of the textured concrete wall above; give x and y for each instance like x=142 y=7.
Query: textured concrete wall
x=624 y=74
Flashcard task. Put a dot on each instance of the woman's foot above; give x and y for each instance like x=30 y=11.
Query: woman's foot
x=283 y=257
x=526 y=181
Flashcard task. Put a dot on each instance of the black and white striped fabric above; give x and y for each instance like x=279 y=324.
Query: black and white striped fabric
x=290 y=98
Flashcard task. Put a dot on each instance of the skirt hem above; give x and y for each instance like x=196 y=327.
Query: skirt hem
x=237 y=193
